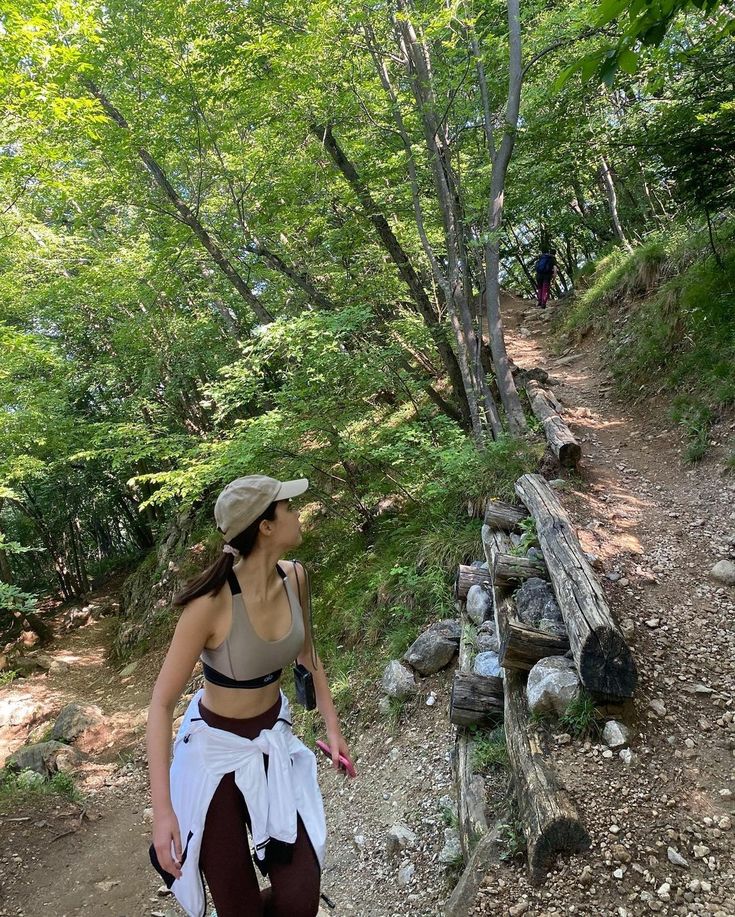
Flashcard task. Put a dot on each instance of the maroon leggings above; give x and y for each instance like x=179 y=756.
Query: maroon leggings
x=225 y=857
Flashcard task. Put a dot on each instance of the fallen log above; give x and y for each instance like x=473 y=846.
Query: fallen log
x=487 y=853
x=476 y=700
x=522 y=646
x=467 y=577
x=558 y=435
x=551 y=823
x=604 y=661
x=494 y=542
x=509 y=569
x=470 y=786
x=504 y=516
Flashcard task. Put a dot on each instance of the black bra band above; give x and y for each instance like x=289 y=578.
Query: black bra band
x=217 y=678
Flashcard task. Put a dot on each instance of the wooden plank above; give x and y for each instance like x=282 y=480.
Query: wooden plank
x=604 y=661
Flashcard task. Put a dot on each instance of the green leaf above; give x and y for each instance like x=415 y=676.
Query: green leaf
x=628 y=61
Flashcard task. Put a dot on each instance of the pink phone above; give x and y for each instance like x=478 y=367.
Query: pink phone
x=344 y=762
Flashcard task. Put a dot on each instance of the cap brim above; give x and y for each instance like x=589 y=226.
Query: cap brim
x=290 y=489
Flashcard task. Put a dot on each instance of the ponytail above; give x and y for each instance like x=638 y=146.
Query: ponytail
x=211 y=580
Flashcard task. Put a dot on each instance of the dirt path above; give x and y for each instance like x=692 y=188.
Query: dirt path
x=658 y=527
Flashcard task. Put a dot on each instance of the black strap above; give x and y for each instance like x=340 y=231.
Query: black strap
x=224 y=681
x=296 y=564
x=233 y=583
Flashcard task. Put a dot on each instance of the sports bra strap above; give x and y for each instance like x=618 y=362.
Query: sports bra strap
x=233 y=583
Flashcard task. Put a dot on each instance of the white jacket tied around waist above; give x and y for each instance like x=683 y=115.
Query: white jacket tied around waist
x=203 y=755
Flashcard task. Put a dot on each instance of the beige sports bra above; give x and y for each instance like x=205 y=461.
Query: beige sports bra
x=245 y=660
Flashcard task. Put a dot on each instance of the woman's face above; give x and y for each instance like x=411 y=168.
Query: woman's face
x=288 y=523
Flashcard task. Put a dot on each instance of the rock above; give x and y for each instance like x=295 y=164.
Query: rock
x=586 y=877
x=724 y=572
x=399 y=837
x=129 y=669
x=518 y=909
x=535 y=554
x=487 y=664
x=552 y=626
x=552 y=685
x=676 y=858
x=432 y=650
x=487 y=643
x=405 y=874
x=620 y=853
x=479 y=604
x=431 y=699
x=627 y=756
x=616 y=735
x=658 y=706
x=535 y=601
x=74 y=720
x=398 y=681
x=451 y=853
x=44 y=758
x=384 y=706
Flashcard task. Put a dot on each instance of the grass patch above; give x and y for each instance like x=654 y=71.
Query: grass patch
x=489 y=750
x=24 y=786
x=582 y=717
x=7 y=677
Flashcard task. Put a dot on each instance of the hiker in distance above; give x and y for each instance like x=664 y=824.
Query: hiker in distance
x=545 y=268
x=236 y=761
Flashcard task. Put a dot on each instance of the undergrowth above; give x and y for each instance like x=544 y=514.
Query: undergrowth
x=27 y=784
x=666 y=309
x=489 y=750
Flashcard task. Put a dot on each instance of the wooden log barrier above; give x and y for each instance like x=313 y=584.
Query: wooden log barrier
x=470 y=786
x=494 y=542
x=509 y=570
x=604 y=661
x=504 y=516
x=558 y=435
x=476 y=700
x=551 y=823
x=468 y=576
x=522 y=646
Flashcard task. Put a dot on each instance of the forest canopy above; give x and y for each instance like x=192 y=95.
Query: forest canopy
x=269 y=235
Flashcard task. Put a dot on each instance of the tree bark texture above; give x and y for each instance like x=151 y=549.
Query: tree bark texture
x=603 y=658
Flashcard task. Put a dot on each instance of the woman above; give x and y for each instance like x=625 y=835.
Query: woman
x=243 y=617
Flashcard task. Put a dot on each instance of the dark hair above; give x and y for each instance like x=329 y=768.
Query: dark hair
x=211 y=580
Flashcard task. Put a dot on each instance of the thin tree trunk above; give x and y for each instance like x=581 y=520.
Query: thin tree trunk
x=186 y=215
x=500 y=160
x=399 y=258
x=608 y=185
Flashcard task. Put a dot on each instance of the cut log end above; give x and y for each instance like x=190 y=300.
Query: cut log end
x=607 y=667
x=563 y=835
x=570 y=454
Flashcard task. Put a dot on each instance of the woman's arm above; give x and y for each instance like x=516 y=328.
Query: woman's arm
x=192 y=632
x=310 y=658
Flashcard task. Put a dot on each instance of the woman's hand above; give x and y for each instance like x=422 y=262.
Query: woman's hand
x=167 y=837
x=337 y=745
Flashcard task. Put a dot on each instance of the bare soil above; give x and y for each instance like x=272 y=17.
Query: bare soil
x=657 y=526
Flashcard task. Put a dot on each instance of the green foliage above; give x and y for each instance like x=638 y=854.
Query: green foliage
x=7 y=676
x=529 y=537
x=22 y=786
x=512 y=839
x=489 y=750
x=582 y=716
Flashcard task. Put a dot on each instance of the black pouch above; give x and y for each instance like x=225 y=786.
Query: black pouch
x=304 y=683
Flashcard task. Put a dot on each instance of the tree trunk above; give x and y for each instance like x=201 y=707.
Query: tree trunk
x=187 y=216
x=400 y=259
x=608 y=185
x=500 y=160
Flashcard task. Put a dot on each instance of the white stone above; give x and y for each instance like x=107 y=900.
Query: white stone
x=552 y=685
x=676 y=858
x=616 y=735
x=724 y=572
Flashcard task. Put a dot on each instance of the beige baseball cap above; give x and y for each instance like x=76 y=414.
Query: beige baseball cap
x=244 y=499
